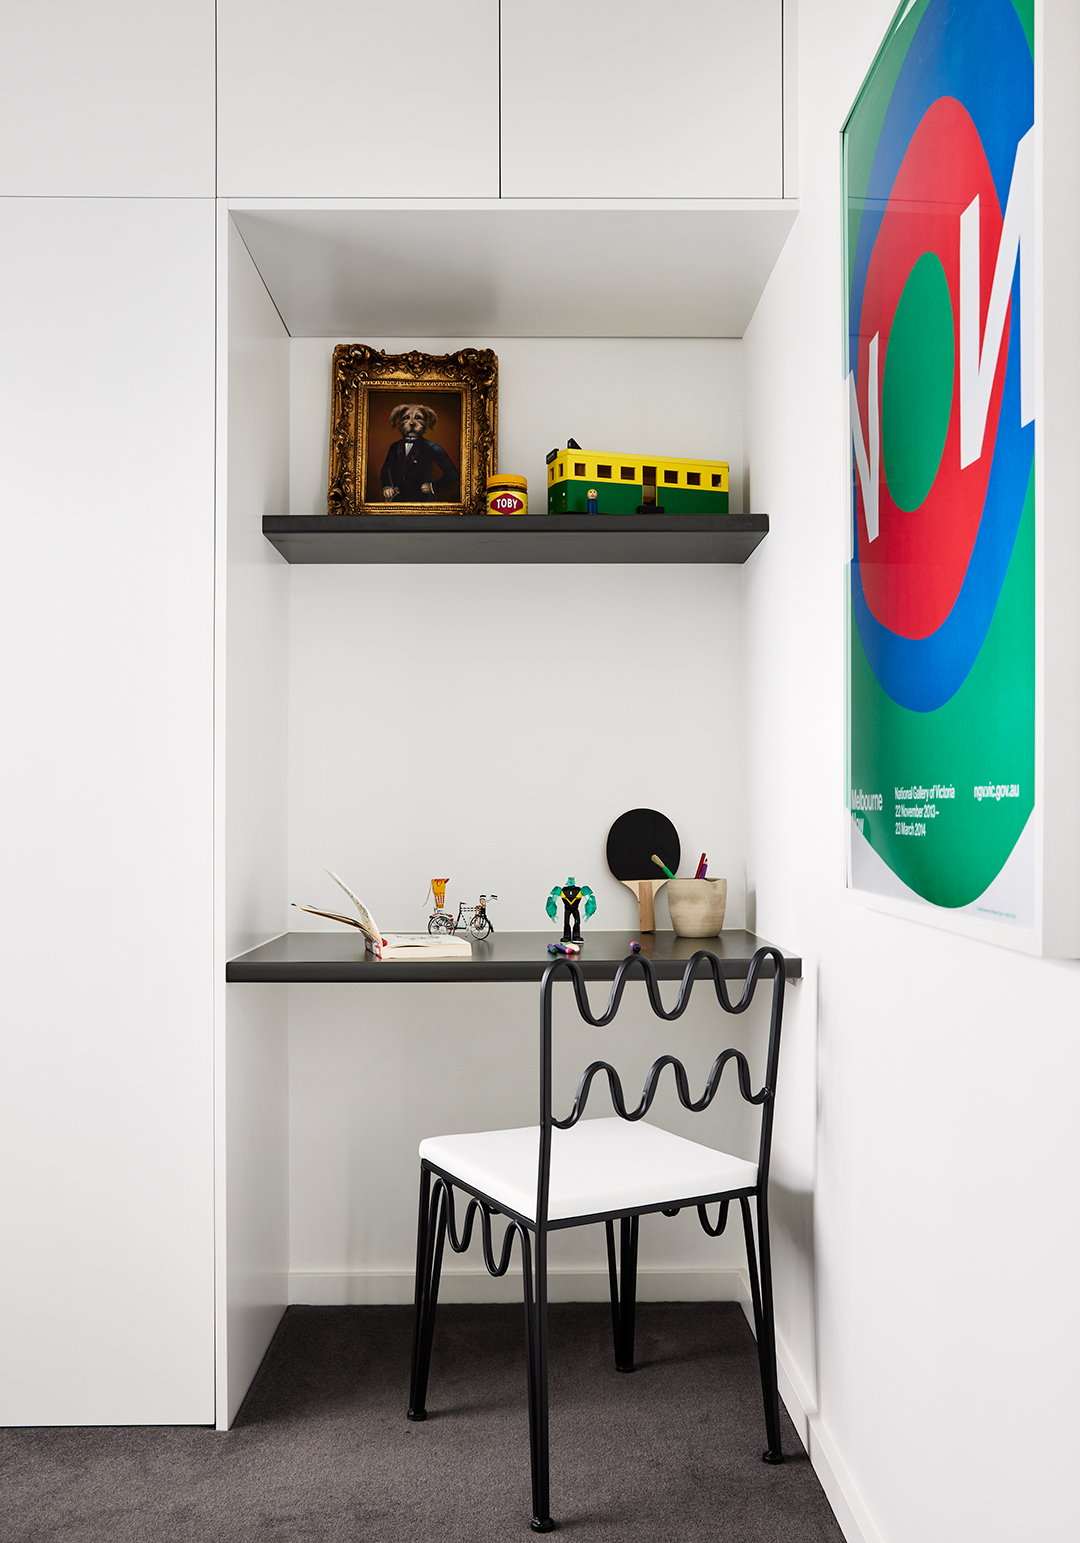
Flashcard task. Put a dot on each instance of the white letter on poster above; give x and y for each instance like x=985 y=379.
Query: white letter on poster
x=979 y=366
x=868 y=465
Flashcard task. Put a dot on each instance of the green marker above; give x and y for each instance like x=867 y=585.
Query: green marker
x=665 y=867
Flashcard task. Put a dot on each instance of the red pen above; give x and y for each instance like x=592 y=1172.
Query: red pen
x=701 y=867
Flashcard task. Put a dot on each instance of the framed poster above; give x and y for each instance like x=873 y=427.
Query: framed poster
x=939 y=284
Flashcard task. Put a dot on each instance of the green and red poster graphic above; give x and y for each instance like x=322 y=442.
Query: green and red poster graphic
x=939 y=184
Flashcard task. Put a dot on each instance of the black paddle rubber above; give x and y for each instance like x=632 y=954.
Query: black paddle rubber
x=633 y=839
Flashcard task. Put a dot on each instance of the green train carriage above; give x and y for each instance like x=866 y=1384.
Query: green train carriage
x=627 y=484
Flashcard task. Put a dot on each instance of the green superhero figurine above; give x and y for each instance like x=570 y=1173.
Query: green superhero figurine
x=571 y=894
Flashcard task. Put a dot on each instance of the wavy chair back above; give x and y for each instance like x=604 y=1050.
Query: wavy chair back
x=764 y=1097
x=437 y=1221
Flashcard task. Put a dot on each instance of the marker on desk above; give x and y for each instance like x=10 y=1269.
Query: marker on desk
x=564 y=948
x=665 y=867
x=635 y=948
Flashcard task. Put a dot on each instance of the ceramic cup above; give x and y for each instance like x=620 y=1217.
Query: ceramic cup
x=697 y=906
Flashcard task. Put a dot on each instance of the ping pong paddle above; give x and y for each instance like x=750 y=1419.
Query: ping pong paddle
x=631 y=842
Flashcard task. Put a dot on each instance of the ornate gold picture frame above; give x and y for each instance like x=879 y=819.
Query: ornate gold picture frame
x=412 y=433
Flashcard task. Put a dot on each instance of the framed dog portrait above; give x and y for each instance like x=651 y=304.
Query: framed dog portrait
x=412 y=433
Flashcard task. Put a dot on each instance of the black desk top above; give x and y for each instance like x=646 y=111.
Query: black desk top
x=340 y=956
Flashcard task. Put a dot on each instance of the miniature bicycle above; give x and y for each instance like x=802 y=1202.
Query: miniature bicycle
x=473 y=919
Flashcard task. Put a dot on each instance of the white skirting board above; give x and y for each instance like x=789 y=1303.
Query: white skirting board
x=851 y=1514
x=363 y=1287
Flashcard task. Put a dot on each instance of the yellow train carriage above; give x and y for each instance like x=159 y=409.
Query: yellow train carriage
x=629 y=484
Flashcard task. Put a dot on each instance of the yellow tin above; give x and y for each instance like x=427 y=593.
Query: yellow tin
x=507 y=494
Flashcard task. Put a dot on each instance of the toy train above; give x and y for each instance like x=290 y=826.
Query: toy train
x=629 y=484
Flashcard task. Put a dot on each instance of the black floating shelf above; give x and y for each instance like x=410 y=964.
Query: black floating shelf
x=531 y=538
x=340 y=956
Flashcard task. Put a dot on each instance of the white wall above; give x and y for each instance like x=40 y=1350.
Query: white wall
x=252 y=724
x=674 y=396
x=926 y=1164
x=107 y=627
x=373 y=1071
x=1057 y=212
x=488 y=723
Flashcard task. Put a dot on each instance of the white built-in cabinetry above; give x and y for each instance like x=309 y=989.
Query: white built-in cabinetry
x=114 y=99
x=144 y=625
x=107 y=783
x=334 y=99
x=616 y=99
x=107 y=474
x=510 y=98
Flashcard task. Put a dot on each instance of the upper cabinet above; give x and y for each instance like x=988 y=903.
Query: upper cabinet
x=113 y=99
x=527 y=99
x=341 y=99
x=642 y=99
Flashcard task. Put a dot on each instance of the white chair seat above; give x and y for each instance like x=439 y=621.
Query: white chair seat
x=597 y=1167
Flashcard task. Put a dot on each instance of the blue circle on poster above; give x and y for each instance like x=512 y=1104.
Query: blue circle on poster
x=961 y=50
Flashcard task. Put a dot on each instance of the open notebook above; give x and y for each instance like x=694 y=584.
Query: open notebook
x=393 y=945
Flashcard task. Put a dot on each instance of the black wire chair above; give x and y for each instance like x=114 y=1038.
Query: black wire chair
x=563 y=1173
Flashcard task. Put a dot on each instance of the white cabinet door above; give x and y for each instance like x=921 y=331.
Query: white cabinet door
x=642 y=99
x=107 y=902
x=114 y=98
x=341 y=99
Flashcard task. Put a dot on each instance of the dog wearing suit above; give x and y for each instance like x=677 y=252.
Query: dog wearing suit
x=408 y=471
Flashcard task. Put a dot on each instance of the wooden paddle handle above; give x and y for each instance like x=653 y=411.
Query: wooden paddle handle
x=645 y=890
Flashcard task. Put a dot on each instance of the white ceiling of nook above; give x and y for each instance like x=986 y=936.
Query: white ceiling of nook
x=515 y=273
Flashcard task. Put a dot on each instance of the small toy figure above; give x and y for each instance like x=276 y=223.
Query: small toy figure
x=591 y=502
x=571 y=894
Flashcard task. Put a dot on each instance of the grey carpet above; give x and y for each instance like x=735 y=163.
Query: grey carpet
x=322 y=1453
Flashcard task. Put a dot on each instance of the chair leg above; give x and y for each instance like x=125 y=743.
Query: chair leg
x=613 y=1289
x=628 y=1240
x=537 y=1354
x=624 y=1289
x=430 y=1238
x=762 y=1299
